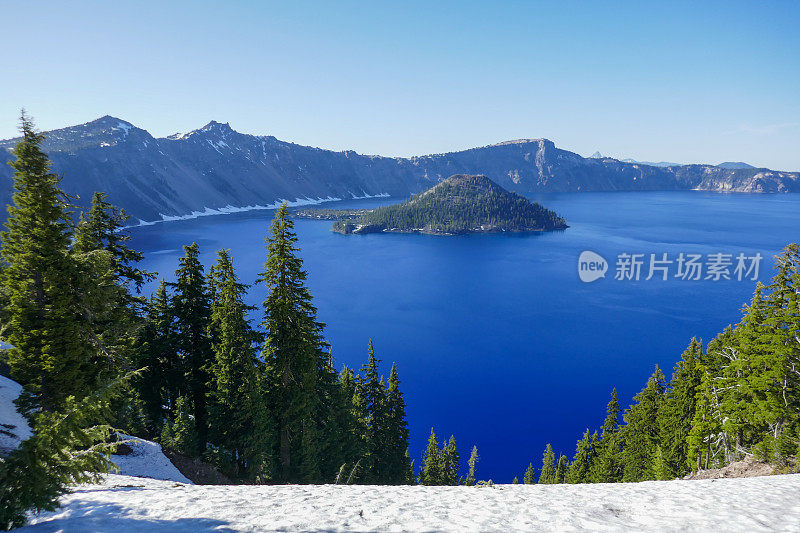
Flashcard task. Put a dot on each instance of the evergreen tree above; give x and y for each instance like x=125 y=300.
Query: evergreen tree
x=398 y=460
x=238 y=419
x=192 y=308
x=296 y=356
x=607 y=467
x=102 y=228
x=41 y=316
x=530 y=475
x=641 y=432
x=676 y=414
x=351 y=418
x=411 y=478
x=450 y=463
x=432 y=472
x=471 y=463
x=547 y=475
x=582 y=463
x=515 y=481
x=562 y=467
x=161 y=379
x=375 y=463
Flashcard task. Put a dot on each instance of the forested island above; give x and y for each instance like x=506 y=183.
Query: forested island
x=458 y=205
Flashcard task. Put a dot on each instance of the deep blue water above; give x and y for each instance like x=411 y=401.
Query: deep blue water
x=496 y=339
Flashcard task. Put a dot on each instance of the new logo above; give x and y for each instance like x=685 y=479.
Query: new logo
x=591 y=266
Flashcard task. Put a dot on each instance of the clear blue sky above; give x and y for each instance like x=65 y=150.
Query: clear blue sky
x=675 y=81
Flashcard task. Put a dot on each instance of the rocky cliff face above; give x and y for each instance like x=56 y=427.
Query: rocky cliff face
x=215 y=166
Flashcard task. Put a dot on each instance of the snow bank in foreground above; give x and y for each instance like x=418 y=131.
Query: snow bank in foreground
x=13 y=426
x=133 y=504
x=147 y=460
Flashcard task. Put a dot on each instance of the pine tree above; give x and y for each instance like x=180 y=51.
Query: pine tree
x=515 y=481
x=411 y=478
x=161 y=380
x=450 y=463
x=238 y=419
x=562 y=467
x=607 y=467
x=397 y=456
x=192 y=308
x=432 y=467
x=102 y=228
x=375 y=463
x=471 y=463
x=530 y=475
x=296 y=354
x=547 y=475
x=676 y=414
x=582 y=463
x=51 y=355
x=351 y=419
x=641 y=431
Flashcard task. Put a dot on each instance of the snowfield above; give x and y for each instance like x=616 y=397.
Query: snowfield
x=162 y=499
x=123 y=504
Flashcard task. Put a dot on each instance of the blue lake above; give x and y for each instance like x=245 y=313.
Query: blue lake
x=497 y=340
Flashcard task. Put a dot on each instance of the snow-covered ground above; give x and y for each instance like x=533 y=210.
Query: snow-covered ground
x=147 y=460
x=13 y=426
x=123 y=504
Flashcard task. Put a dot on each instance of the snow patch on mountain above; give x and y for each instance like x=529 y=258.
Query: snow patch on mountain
x=229 y=209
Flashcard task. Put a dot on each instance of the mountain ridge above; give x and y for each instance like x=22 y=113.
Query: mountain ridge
x=216 y=168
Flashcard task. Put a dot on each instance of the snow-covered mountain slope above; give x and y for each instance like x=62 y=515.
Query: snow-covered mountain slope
x=134 y=504
x=145 y=458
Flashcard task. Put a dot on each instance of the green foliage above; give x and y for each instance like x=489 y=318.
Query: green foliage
x=295 y=352
x=398 y=460
x=547 y=475
x=238 y=418
x=42 y=312
x=432 y=467
x=607 y=464
x=582 y=463
x=460 y=204
x=471 y=464
x=450 y=463
x=191 y=305
x=530 y=475
x=562 y=468
x=641 y=432
x=68 y=446
x=676 y=414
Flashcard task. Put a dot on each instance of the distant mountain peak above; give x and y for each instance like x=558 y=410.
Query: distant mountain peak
x=734 y=165
x=223 y=127
x=214 y=128
x=596 y=155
